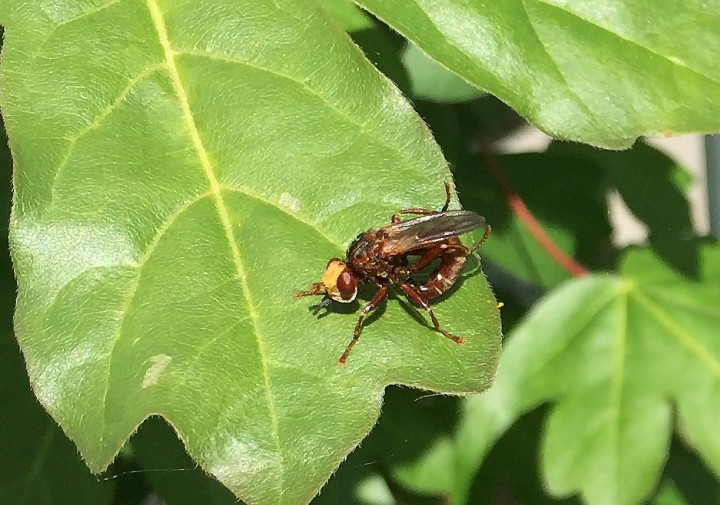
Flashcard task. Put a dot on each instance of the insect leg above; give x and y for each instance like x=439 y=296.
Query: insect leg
x=417 y=298
x=315 y=289
x=447 y=197
x=372 y=305
x=480 y=242
x=424 y=212
x=426 y=259
x=455 y=249
x=420 y=212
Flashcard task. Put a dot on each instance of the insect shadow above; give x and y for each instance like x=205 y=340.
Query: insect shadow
x=366 y=293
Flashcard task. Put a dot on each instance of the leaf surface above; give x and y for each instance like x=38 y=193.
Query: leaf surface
x=594 y=72
x=176 y=181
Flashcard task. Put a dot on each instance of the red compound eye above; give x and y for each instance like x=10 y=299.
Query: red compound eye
x=347 y=285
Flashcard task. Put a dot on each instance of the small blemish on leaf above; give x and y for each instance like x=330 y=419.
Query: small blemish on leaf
x=290 y=202
x=158 y=364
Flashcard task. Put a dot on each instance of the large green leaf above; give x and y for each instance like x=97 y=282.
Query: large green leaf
x=588 y=71
x=182 y=167
x=614 y=355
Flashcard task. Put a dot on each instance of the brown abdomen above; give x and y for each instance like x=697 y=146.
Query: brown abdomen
x=451 y=266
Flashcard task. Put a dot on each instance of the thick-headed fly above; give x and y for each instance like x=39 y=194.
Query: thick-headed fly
x=382 y=256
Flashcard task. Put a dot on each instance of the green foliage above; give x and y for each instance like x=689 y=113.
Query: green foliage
x=182 y=167
x=430 y=81
x=578 y=70
x=613 y=354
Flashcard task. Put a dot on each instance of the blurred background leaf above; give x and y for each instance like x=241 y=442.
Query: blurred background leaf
x=558 y=63
x=614 y=355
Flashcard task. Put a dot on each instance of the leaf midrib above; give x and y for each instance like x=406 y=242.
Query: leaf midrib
x=616 y=390
x=684 y=338
x=217 y=190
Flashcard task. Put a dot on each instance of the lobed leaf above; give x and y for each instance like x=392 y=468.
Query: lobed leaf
x=614 y=356
x=176 y=181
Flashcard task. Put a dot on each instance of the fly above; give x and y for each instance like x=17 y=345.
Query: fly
x=381 y=257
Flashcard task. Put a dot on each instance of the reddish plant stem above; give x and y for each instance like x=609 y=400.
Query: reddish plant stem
x=518 y=207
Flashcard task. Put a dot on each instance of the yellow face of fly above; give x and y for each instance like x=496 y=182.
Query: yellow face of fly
x=340 y=284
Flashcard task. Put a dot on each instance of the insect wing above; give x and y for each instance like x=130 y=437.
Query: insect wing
x=413 y=234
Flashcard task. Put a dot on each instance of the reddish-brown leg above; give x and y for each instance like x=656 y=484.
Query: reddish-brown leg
x=315 y=289
x=480 y=242
x=447 y=197
x=424 y=212
x=372 y=305
x=426 y=259
x=420 y=212
x=412 y=293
